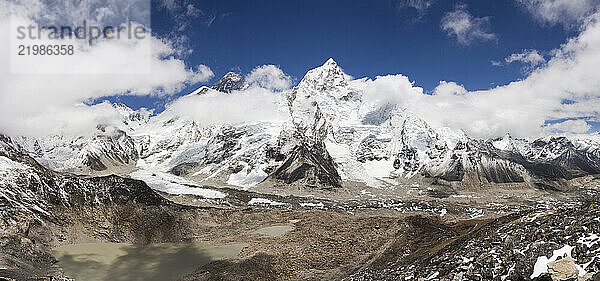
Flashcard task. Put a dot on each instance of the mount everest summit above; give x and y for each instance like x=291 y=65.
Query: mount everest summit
x=329 y=135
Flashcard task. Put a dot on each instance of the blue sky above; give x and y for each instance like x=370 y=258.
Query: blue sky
x=367 y=38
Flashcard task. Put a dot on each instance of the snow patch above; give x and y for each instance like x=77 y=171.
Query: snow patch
x=541 y=265
x=246 y=179
x=172 y=184
x=590 y=240
x=443 y=212
x=313 y=205
x=6 y=163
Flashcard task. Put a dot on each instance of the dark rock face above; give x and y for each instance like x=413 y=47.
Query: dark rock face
x=311 y=165
x=548 y=164
x=302 y=145
x=116 y=146
x=456 y=171
x=371 y=149
x=407 y=157
x=229 y=83
x=40 y=190
x=94 y=163
x=223 y=145
x=503 y=172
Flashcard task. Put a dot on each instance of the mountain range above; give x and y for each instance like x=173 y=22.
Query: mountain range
x=331 y=135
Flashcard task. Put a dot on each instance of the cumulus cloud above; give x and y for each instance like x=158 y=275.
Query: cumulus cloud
x=391 y=89
x=43 y=95
x=449 y=89
x=270 y=77
x=529 y=58
x=565 y=12
x=201 y=73
x=466 y=28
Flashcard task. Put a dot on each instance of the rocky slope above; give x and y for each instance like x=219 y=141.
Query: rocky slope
x=554 y=244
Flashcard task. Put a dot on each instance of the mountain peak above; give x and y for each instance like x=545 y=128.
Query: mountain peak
x=330 y=61
x=325 y=77
x=230 y=82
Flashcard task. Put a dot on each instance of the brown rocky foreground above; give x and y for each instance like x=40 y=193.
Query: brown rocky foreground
x=333 y=241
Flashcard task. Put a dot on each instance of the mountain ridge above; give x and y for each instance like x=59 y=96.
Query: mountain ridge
x=332 y=135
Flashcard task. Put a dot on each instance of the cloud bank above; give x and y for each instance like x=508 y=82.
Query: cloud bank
x=252 y=105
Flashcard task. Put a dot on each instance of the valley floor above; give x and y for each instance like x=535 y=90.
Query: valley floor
x=431 y=237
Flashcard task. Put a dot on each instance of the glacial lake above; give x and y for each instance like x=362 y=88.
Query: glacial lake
x=126 y=262
x=275 y=230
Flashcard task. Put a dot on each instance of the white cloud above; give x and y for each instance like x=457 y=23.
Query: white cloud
x=465 y=27
x=566 y=12
x=521 y=107
x=449 y=89
x=395 y=89
x=262 y=101
x=269 y=77
x=254 y=104
x=39 y=103
x=578 y=126
x=529 y=57
x=201 y=73
x=420 y=6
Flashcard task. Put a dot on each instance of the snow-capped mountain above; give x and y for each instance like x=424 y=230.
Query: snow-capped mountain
x=29 y=191
x=108 y=150
x=229 y=83
x=332 y=135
